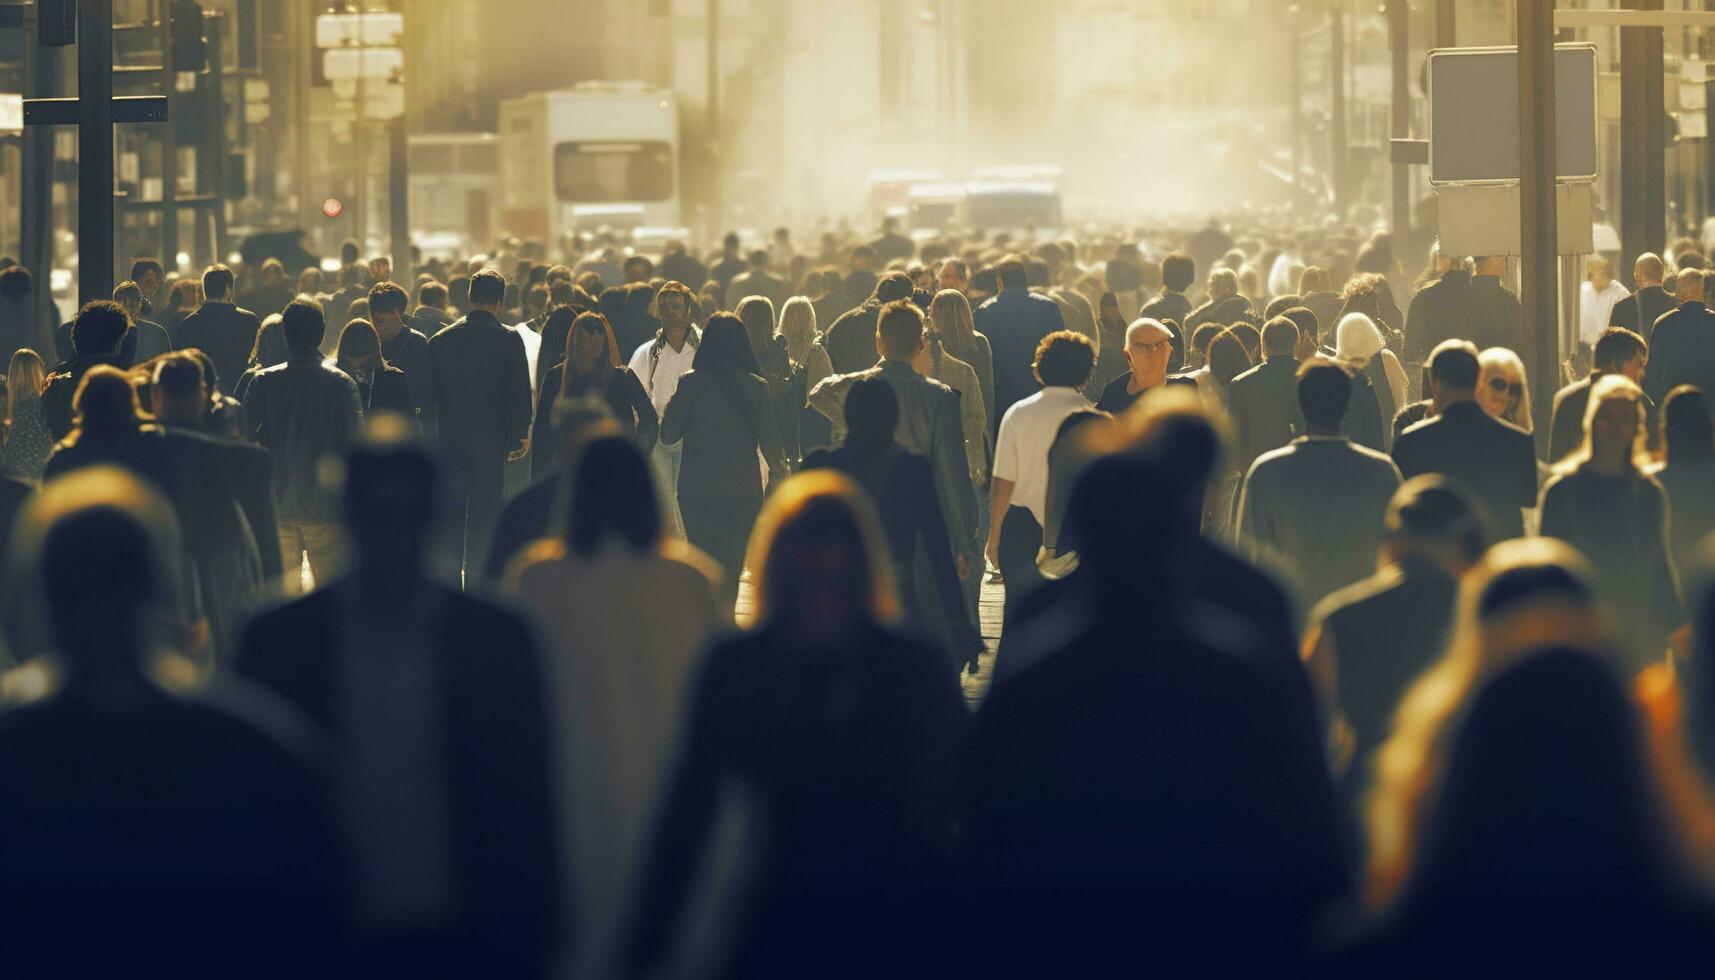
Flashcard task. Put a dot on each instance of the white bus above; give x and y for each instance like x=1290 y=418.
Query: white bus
x=603 y=154
x=453 y=182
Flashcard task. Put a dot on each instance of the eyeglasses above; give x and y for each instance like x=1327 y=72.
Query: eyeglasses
x=1502 y=386
x=1151 y=348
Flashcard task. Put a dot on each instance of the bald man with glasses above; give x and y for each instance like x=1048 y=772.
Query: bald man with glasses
x=1149 y=351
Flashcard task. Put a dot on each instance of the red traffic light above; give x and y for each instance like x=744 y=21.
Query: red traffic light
x=332 y=207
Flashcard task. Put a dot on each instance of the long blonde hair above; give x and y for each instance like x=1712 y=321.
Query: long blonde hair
x=951 y=313
x=814 y=511
x=1610 y=388
x=1527 y=594
x=798 y=326
x=26 y=376
x=1504 y=359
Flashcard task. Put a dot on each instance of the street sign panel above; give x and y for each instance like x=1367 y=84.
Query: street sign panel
x=379 y=28
x=1474 y=116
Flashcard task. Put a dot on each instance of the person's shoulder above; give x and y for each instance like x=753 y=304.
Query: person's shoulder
x=1119 y=386
x=1273 y=462
x=1185 y=380
x=1342 y=602
x=1372 y=458
x=1246 y=378
x=240 y=313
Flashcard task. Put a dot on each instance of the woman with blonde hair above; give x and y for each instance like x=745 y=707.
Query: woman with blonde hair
x=823 y=682
x=1513 y=805
x=1503 y=389
x=1603 y=502
x=27 y=443
x=950 y=312
x=799 y=329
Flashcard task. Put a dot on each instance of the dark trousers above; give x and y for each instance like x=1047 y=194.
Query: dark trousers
x=720 y=527
x=1020 y=540
x=475 y=495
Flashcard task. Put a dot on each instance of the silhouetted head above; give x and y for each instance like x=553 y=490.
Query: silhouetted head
x=1454 y=370
x=872 y=413
x=180 y=394
x=106 y=402
x=1432 y=518
x=1620 y=351
x=1545 y=796
x=819 y=560
x=893 y=287
x=612 y=499
x=1178 y=272
x=725 y=346
x=98 y=547
x=1127 y=514
x=1686 y=425
x=304 y=326
x=487 y=291
x=1526 y=597
x=391 y=499
x=1324 y=391
x=99 y=328
x=217 y=283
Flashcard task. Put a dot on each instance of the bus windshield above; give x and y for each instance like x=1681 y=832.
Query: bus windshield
x=613 y=172
x=1014 y=209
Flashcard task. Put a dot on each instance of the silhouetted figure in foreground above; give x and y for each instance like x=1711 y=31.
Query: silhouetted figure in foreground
x=903 y=488
x=1369 y=641
x=1146 y=795
x=479 y=385
x=145 y=831
x=95 y=337
x=625 y=614
x=843 y=735
x=434 y=703
x=1516 y=822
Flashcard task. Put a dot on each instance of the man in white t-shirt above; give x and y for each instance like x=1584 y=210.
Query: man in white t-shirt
x=1019 y=491
x=1596 y=299
x=659 y=364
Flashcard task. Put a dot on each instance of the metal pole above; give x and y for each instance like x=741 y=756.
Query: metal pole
x=43 y=79
x=217 y=143
x=1539 y=272
x=399 y=201
x=1337 y=103
x=1399 y=39
x=1445 y=24
x=169 y=146
x=1643 y=163
x=95 y=149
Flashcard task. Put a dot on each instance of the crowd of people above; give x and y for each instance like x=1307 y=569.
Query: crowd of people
x=621 y=616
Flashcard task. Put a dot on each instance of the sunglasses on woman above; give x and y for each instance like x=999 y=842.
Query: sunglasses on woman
x=1503 y=386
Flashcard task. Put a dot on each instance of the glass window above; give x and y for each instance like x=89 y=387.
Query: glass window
x=431 y=158
x=611 y=172
x=479 y=158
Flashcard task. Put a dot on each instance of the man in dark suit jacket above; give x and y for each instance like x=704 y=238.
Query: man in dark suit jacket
x=756 y=282
x=1066 y=829
x=220 y=329
x=850 y=341
x=1015 y=323
x=1682 y=346
x=435 y=702
x=96 y=335
x=1492 y=460
x=1437 y=312
x=1369 y=641
x=1648 y=303
x=1264 y=400
x=1493 y=316
x=1617 y=351
x=481 y=394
